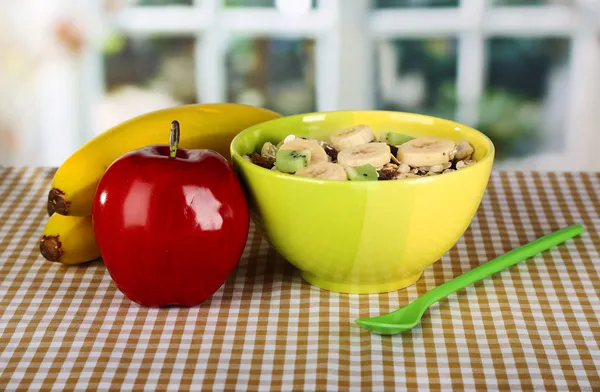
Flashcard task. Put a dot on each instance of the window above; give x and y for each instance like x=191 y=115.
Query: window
x=418 y=75
x=272 y=72
x=525 y=72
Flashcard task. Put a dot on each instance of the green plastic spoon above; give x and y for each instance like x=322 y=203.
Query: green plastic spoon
x=409 y=316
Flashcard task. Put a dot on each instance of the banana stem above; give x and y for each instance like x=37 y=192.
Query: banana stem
x=174 y=138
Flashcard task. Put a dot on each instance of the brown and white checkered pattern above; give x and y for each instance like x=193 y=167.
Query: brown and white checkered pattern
x=535 y=326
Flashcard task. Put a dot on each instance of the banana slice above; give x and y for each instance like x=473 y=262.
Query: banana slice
x=325 y=170
x=425 y=151
x=317 y=153
x=374 y=154
x=352 y=137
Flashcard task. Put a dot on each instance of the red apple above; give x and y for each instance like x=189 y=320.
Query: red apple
x=171 y=224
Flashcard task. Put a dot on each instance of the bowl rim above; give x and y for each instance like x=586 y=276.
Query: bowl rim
x=235 y=156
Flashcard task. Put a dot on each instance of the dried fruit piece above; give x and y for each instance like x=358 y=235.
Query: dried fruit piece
x=400 y=176
x=262 y=161
x=330 y=151
x=388 y=171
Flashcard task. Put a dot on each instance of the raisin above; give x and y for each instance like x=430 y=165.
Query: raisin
x=332 y=152
x=259 y=160
x=393 y=150
x=387 y=173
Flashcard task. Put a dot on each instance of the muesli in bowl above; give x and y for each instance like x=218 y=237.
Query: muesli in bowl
x=356 y=154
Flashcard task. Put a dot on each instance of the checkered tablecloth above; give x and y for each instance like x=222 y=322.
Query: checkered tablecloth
x=535 y=326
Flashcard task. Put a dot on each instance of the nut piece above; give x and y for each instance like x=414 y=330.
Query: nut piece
x=400 y=176
x=404 y=168
x=289 y=138
x=448 y=171
x=463 y=151
x=460 y=165
x=268 y=150
x=463 y=164
x=436 y=169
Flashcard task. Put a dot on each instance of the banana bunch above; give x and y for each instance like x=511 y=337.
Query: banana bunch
x=68 y=236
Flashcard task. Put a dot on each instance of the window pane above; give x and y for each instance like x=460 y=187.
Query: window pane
x=145 y=74
x=418 y=76
x=272 y=72
x=414 y=3
x=529 y=2
x=523 y=107
x=296 y=4
x=161 y=2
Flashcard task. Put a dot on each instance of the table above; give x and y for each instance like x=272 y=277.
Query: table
x=534 y=326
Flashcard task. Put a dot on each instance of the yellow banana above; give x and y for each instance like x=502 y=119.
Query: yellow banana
x=69 y=240
x=205 y=126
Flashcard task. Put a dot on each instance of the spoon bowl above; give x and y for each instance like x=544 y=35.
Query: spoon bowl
x=397 y=321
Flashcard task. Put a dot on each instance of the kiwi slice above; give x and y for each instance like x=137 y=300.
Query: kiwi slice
x=362 y=173
x=394 y=138
x=290 y=161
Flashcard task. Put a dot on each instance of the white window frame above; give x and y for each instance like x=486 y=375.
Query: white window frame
x=344 y=54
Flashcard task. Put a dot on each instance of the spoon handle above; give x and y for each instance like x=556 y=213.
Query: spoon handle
x=499 y=263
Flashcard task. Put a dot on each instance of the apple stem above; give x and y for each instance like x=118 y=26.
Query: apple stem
x=174 y=138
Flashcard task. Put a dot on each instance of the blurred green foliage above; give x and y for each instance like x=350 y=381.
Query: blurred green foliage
x=414 y=4
x=518 y=2
x=249 y=3
x=285 y=69
x=515 y=84
x=165 y=2
x=257 y=3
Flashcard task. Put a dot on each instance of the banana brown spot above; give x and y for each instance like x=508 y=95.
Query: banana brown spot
x=57 y=202
x=51 y=248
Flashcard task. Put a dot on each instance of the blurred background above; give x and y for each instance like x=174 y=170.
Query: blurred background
x=525 y=72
